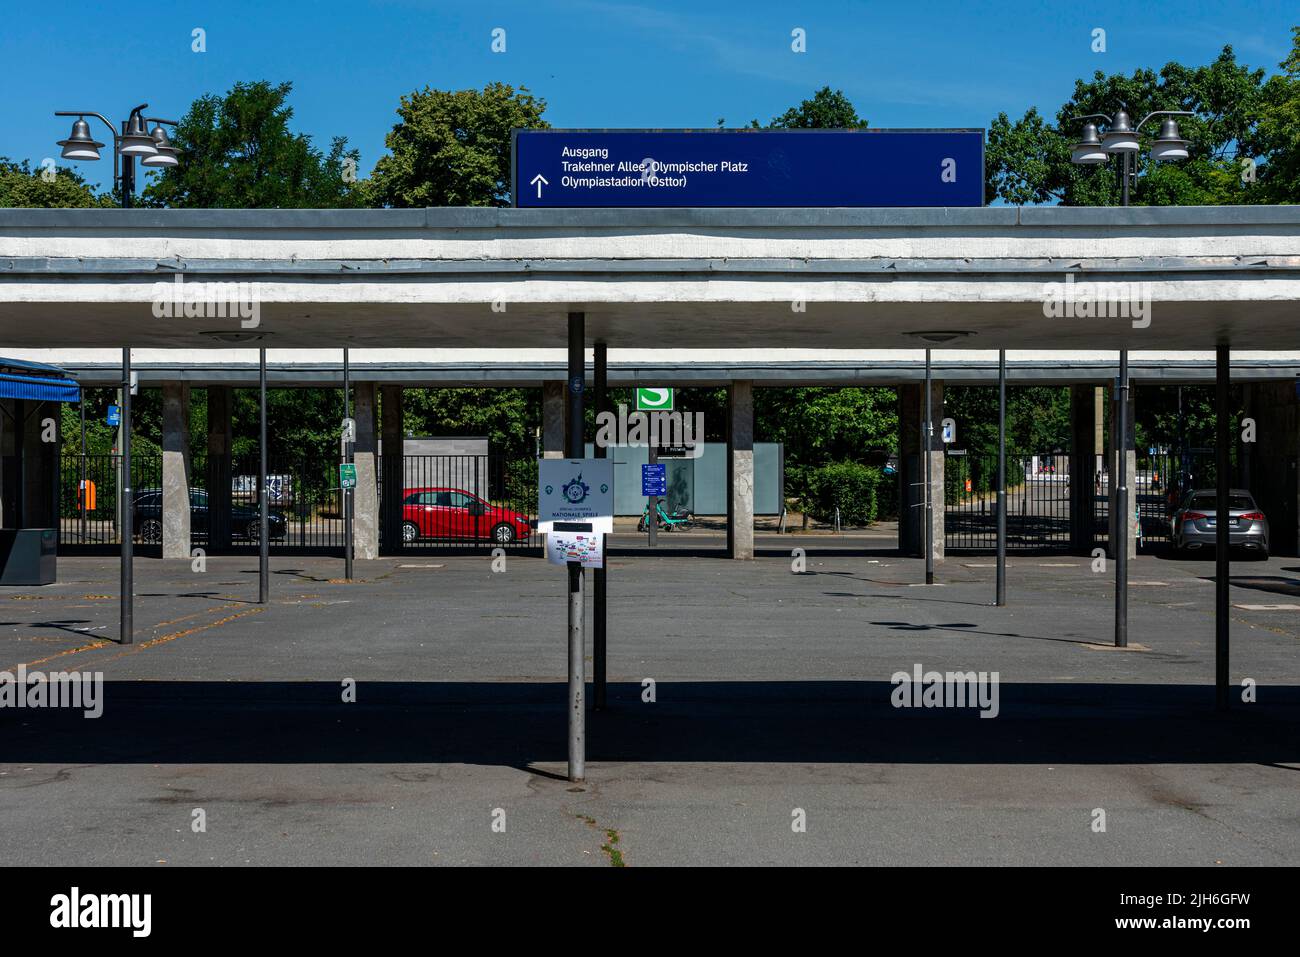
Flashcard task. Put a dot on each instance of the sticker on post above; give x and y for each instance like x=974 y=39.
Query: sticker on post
x=575 y=542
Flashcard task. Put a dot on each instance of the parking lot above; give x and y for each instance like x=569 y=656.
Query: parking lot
x=771 y=695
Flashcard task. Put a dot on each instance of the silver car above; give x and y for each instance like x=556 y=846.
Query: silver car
x=1195 y=525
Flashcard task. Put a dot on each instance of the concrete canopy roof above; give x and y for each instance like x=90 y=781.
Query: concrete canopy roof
x=684 y=278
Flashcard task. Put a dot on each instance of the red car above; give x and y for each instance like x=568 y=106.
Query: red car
x=436 y=512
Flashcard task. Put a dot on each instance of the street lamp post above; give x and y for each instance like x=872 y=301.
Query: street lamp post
x=1092 y=149
x=136 y=141
x=154 y=149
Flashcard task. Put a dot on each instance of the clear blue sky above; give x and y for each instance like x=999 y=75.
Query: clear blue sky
x=599 y=63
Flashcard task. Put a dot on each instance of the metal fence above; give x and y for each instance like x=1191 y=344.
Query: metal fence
x=457 y=501
x=1163 y=479
x=1038 y=502
x=304 y=504
x=89 y=517
x=438 y=501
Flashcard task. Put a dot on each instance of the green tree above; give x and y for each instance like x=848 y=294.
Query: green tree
x=1028 y=161
x=509 y=418
x=239 y=153
x=1038 y=419
x=1276 y=138
x=827 y=110
x=452 y=148
x=22 y=187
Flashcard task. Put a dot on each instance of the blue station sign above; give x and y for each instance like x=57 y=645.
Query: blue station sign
x=747 y=168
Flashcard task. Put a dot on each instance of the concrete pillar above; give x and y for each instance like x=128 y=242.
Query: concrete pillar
x=1099 y=440
x=10 y=445
x=553 y=416
x=1115 y=462
x=391 y=465
x=1269 y=464
x=740 y=470
x=1083 y=466
x=911 y=470
x=365 y=500
x=44 y=445
x=176 y=470
x=221 y=403
x=30 y=479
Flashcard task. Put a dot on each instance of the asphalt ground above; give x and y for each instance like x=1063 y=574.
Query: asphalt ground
x=771 y=697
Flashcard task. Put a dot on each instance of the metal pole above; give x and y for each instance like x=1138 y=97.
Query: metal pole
x=1122 y=527
x=1002 y=479
x=927 y=434
x=263 y=535
x=1221 y=439
x=347 y=457
x=598 y=607
x=573 y=443
x=81 y=408
x=128 y=174
x=652 y=503
x=1122 y=518
x=126 y=503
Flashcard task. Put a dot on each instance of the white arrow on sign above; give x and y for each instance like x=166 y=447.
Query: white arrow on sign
x=539 y=181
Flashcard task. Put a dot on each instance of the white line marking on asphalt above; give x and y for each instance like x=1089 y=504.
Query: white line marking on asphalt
x=1268 y=607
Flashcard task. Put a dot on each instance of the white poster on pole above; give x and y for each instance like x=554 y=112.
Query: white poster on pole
x=586 y=548
x=575 y=490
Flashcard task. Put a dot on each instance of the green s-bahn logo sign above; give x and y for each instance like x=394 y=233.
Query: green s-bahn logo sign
x=654 y=400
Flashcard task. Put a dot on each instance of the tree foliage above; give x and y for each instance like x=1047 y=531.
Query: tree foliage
x=238 y=152
x=1237 y=115
x=22 y=187
x=1038 y=419
x=827 y=110
x=452 y=148
x=1275 y=139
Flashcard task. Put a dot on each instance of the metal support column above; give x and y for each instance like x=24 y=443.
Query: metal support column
x=126 y=506
x=81 y=408
x=574 y=448
x=347 y=457
x=1002 y=479
x=652 y=502
x=600 y=355
x=1123 y=519
x=927 y=439
x=1222 y=465
x=263 y=532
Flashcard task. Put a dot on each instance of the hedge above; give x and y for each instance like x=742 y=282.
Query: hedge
x=849 y=485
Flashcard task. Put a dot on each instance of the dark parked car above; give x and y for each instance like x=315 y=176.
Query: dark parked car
x=245 y=520
x=1195 y=525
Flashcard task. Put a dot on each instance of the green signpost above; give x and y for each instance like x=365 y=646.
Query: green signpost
x=347 y=475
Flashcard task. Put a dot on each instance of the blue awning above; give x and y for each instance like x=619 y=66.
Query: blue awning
x=40 y=388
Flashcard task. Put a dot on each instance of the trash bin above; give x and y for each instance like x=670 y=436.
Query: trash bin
x=28 y=556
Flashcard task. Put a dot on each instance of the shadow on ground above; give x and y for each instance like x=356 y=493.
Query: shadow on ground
x=516 y=724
